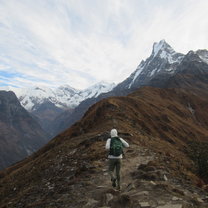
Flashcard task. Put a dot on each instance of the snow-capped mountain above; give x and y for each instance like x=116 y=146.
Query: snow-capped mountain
x=163 y=60
x=62 y=97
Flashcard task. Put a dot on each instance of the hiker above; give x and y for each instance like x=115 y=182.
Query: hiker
x=115 y=144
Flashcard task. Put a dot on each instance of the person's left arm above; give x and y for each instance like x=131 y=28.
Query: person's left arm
x=125 y=144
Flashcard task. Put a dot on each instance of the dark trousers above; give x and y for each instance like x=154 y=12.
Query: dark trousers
x=114 y=170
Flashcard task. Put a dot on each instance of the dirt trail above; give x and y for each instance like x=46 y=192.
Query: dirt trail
x=134 y=156
x=132 y=161
x=138 y=192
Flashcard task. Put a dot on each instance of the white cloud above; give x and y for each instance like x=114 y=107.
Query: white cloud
x=84 y=41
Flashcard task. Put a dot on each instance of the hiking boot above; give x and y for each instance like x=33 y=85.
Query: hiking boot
x=113 y=182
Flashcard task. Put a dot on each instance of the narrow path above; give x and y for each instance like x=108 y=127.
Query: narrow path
x=162 y=194
x=134 y=156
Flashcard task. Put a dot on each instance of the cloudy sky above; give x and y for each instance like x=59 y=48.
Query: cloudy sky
x=81 y=42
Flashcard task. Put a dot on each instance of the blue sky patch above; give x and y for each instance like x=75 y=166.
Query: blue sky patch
x=7 y=74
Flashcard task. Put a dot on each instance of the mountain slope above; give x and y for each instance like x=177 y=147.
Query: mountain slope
x=45 y=114
x=20 y=133
x=70 y=171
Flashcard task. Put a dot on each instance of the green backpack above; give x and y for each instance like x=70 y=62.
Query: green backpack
x=116 y=147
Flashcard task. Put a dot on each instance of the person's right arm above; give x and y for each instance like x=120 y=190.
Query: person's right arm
x=107 y=145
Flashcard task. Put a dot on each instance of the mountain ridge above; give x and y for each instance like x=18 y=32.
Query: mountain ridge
x=70 y=171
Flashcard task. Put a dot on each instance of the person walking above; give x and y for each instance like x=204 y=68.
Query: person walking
x=115 y=144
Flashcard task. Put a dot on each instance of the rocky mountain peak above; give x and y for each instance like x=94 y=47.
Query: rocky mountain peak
x=203 y=54
x=199 y=56
x=192 y=56
x=162 y=61
x=165 y=52
x=161 y=46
